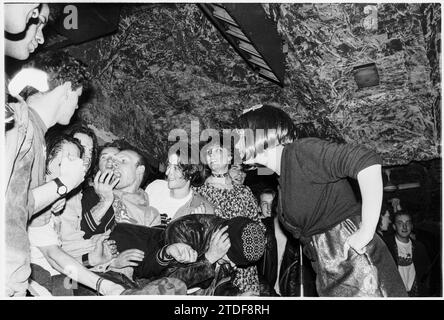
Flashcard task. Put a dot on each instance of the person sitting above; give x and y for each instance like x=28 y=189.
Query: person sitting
x=222 y=246
x=174 y=197
x=410 y=255
x=116 y=196
x=69 y=217
x=49 y=262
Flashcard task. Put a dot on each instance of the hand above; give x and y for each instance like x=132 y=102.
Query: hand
x=199 y=210
x=181 y=252
x=104 y=183
x=219 y=245
x=357 y=241
x=104 y=250
x=128 y=258
x=72 y=172
x=58 y=206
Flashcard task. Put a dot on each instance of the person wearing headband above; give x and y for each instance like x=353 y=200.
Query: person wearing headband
x=24 y=25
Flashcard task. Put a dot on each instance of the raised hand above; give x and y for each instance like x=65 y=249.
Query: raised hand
x=182 y=252
x=104 y=183
x=128 y=258
x=219 y=245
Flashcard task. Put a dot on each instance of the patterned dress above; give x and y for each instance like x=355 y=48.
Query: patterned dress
x=230 y=203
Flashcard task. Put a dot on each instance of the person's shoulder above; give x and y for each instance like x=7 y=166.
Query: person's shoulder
x=156 y=185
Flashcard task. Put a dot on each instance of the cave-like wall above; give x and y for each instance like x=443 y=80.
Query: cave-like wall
x=167 y=66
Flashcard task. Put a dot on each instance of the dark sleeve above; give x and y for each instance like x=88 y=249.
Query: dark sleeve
x=89 y=200
x=328 y=161
x=147 y=239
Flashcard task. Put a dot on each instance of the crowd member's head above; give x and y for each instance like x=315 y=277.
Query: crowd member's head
x=57 y=148
x=88 y=140
x=270 y=126
x=107 y=152
x=237 y=173
x=403 y=225
x=129 y=167
x=57 y=105
x=183 y=171
x=218 y=158
x=385 y=218
x=24 y=25
x=267 y=202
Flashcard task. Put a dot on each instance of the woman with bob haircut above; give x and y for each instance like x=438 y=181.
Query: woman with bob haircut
x=317 y=204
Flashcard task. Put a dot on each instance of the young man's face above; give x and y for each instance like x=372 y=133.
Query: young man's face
x=16 y=18
x=106 y=158
x=175 y=177
x=68 y=150
x=218 y=158
x=237 y=174
x=403 y=226
x=266 y=204
x=126 y=168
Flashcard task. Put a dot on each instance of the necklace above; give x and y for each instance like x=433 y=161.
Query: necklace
x=220 y=175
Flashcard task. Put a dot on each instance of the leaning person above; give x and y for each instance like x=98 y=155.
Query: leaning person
x=317 y=204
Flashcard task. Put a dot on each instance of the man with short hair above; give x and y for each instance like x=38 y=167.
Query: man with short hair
x=410 y=255
x=117 y=197
x=26 y=190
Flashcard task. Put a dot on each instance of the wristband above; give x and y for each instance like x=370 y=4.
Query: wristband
x=98 y=283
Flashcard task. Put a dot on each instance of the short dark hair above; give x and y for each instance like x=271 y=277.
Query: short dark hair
x=274 y=203
x=192 y=169
x=80 y=128
x=54 y=144
x=276 y=124
x=402 y=213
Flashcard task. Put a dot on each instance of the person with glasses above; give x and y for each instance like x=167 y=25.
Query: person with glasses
x=410 y=255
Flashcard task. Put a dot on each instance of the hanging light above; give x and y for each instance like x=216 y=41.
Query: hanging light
x=389 y=186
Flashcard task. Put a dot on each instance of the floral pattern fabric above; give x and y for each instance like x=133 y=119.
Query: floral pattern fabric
x=230 y=203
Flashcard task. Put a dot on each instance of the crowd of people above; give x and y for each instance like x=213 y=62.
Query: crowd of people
x=84 y=220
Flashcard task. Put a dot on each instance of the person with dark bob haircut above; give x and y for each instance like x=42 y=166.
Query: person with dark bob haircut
x=175 y=197
x=317 y=204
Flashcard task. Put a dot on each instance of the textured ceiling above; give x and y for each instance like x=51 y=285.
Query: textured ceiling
x=168 y=66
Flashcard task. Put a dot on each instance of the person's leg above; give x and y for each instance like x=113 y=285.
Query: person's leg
x=349 y=274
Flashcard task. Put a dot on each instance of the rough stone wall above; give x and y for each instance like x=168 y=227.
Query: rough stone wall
x=168 y=66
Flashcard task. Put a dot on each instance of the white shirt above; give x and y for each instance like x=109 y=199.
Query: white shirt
x=41 y=237
x=160 y=198
x=405 y=263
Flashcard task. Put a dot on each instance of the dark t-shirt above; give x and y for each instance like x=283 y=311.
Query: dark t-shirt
x=315 y=194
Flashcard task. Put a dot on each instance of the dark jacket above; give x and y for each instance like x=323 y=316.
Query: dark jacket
x=196 y=231
x=421 y=262
x=289 y=277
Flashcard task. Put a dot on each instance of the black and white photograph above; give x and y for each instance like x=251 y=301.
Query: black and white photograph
x=260 y=151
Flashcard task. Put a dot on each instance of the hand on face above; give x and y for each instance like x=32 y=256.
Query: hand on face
x=104 y=183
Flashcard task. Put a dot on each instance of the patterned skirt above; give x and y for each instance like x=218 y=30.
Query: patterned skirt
x=372 y=274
